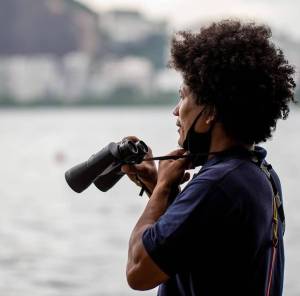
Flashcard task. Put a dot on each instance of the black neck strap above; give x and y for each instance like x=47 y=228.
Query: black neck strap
x=231 y=151
x=175 y=157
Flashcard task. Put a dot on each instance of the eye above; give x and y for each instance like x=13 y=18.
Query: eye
x=181 y=96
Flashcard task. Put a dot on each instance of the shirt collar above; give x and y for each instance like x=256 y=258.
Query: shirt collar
x=236 y=152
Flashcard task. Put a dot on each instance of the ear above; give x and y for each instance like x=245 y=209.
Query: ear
x=211 y=115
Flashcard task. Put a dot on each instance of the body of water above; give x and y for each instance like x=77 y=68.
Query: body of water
x=56 y=242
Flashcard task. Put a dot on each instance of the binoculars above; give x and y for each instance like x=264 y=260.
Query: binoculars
x=104 y=168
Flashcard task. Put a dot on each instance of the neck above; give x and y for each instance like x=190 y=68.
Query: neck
x=221 y=141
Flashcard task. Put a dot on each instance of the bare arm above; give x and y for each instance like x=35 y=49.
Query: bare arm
x=142 y=272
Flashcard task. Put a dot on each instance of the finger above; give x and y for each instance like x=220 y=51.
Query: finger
x=181 y=164
x=136 y=139
x=131 y=138
x=149 y=153
x=141 y=168
x=128 y=169
x=146 y=170
x=134 y=179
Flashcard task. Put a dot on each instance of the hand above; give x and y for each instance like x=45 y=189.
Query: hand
x=146 y=171
x=171 y=173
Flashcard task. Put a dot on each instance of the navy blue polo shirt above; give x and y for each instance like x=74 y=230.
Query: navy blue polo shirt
x=215 y=237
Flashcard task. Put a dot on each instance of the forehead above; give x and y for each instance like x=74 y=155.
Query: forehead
x=184 y=88
x=185 y=91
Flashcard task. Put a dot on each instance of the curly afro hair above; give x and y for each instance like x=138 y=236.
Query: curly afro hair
x=235 y=68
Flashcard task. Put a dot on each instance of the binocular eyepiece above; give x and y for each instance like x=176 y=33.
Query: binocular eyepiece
x=104 y=168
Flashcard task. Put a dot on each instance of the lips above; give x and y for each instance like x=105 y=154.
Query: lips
x=179 y=125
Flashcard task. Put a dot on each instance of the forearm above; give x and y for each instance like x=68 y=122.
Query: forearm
x=142 y=271
x=156 y=207
x=172 y=194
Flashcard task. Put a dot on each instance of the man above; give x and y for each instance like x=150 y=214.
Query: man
x=223 y=234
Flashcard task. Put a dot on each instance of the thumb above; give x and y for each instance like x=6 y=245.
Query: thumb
x=128 y=169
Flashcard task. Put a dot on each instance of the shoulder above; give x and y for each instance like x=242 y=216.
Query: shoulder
x=205 y=190
x=227 y=182
x=222 y=174
x=215 y=172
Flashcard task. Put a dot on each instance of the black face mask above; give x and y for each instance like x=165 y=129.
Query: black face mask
x=198 y=144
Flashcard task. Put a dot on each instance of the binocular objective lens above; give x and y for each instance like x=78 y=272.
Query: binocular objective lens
x=132 y=147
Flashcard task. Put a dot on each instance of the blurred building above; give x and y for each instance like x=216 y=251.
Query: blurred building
x=128 y=33
x=26 y=78
x=128 y=72
x=44 y=77
x=60 y=51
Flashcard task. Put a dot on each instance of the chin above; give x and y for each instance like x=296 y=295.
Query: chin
x=181 y=138
x=180 y=142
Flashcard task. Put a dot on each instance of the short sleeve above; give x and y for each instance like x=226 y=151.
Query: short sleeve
x=183 y=229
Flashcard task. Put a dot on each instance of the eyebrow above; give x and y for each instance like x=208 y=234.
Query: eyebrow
x=184 y=90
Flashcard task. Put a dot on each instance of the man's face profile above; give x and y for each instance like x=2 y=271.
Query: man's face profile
x=186 y=111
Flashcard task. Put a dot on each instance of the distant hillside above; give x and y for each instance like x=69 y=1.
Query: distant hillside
x=46 y=26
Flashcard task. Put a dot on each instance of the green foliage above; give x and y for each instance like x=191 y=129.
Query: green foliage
x=122 y=96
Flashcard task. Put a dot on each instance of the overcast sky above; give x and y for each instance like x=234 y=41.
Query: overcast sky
x=282 y=14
